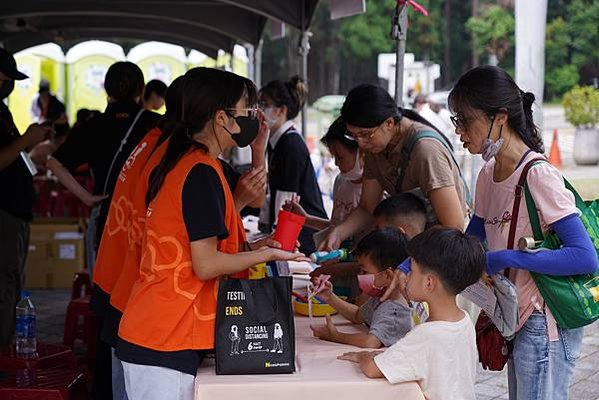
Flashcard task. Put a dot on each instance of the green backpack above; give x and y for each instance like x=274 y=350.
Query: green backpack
x=573 y=300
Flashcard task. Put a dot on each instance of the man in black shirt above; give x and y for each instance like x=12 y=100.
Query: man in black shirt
x=16 y=198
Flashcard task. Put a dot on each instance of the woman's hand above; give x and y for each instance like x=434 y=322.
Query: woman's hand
x=331 y=241
x=259 y=143
x=282 y=255
x=250 y=186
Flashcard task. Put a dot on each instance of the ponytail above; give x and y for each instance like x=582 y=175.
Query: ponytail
x=531 y=137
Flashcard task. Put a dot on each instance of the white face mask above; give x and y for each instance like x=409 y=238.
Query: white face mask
x=271 y=120
x=489 y=148
x=356 y=172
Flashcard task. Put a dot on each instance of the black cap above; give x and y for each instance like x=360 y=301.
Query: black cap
x=8 y=66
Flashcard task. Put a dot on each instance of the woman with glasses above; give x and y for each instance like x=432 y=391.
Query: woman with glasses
x=493 y=118
x=193 y=235
x=381 y=130
x=291 y=173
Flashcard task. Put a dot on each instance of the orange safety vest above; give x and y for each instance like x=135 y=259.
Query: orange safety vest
x=115 y=240
x=130 y=271
x=170 y=308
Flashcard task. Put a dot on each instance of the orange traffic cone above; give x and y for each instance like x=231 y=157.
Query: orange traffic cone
x=555 y=157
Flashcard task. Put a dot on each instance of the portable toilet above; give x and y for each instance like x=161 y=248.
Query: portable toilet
x=158 y=60
x=87 y=64
x=45 y=61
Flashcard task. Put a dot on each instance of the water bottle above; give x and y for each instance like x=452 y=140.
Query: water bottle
x=321 y=256
x=26 y=327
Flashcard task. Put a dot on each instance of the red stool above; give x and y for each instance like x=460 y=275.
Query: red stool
x=46 y=356
x=86 y=332
x=81 y=286
x=43 y=384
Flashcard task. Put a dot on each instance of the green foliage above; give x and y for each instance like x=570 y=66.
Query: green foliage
x=560 y=79
x=367 y=34
x=581 y=105
x=494 y=30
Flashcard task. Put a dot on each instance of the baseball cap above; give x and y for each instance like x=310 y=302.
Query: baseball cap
x=8 y=66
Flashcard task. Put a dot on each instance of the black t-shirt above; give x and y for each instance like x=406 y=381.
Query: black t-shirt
x=16 y=182
x=203 y=206
x=97 y=141
x=291 y=170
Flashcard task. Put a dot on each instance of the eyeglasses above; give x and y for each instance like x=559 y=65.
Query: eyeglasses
x=460 y=122
x=364 y=136
x=251 y=112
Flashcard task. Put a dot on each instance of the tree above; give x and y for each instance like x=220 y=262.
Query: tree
x=494 y=32
x=561 y=75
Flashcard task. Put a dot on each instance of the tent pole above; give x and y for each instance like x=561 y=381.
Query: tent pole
x=304 y=49
x=399 y=32
x=258 y=64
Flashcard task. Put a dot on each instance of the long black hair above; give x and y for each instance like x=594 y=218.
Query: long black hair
x=205 y=91
x=172 y=101
x=291 y=94
x=491 y=89
x=369 y=105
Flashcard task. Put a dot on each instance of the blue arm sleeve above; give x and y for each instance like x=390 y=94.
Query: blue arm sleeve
x=476 y=227
x=406 y=266
x=577 y=255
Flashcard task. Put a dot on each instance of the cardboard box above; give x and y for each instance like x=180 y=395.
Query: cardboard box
x=56 y=253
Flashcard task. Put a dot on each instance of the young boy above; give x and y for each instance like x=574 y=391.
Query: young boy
x=378 y=253
x=439 y=354
x=404 y=211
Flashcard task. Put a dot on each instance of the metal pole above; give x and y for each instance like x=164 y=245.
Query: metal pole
x=258 y=65
x=251 y=67
x=399 y=33
x=304 y=49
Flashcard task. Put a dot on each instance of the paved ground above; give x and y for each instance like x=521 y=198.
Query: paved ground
x=51 y=306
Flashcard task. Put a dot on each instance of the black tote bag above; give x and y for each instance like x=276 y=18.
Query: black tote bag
x=255 y=333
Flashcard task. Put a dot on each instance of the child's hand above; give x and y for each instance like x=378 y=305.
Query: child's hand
x=326 y=289
x=357 y=356
x=325 y=332
x=293 y=206
x=398 y=282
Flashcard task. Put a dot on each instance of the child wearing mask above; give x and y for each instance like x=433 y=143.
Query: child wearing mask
x=348 y=184
x=388 y=321
x=439 y=354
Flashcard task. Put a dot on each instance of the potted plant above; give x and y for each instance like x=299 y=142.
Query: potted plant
x=581 y=105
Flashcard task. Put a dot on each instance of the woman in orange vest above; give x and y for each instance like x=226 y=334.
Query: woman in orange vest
x=193 y=236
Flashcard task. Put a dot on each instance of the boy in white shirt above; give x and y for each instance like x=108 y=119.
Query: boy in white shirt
x=439 y=354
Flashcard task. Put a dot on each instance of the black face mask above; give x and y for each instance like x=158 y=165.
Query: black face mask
x=249 y=130
x=6 y=89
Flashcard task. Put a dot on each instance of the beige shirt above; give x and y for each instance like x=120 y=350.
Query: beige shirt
x=431 y=167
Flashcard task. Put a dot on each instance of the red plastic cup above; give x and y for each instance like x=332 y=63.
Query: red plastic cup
x=288 y=229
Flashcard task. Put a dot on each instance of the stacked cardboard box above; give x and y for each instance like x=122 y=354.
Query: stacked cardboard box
x=56 y=253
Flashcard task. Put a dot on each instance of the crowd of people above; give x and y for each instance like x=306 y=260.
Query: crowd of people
x=166 y=224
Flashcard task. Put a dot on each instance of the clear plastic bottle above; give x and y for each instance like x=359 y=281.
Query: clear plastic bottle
x=26 y=327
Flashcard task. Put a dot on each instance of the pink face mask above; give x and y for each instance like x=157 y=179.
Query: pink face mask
x=366 y=284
